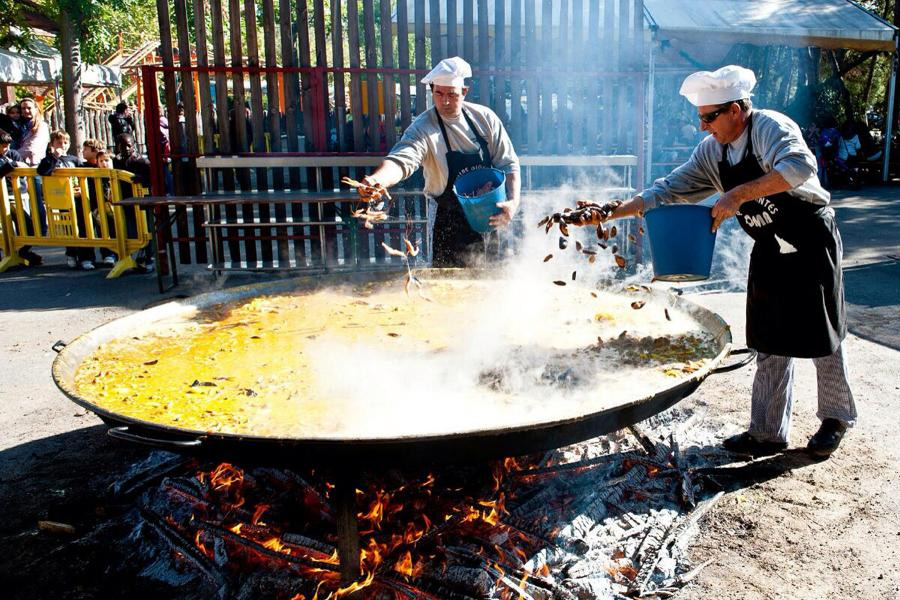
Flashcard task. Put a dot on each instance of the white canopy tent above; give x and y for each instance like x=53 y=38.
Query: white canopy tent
x=800 y=23
x=20 y=69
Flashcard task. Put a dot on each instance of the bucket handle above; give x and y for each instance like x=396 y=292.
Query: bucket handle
x=751 y=356
x=122 y=433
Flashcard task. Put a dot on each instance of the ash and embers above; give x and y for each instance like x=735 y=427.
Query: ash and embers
x=611 y=517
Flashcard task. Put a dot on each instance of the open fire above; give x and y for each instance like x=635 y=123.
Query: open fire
x=601 y=519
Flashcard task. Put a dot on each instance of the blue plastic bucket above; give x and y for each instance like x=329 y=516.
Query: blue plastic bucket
x=479 y=209
x=681 y=243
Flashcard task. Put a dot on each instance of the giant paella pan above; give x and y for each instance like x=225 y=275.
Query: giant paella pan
x=450 y=365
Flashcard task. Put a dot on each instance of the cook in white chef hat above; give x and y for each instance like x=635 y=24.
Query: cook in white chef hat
x=706 y=88
x=451 y=72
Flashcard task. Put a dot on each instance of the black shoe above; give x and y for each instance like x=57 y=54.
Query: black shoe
x=827 y=438
x=33 y=258
x=744 y=443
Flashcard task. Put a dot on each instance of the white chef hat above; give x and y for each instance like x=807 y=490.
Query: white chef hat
x=717 y=87
x=451 y=72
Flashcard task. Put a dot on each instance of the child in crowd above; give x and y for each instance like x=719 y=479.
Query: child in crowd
x=91 y=150
x=56 y=158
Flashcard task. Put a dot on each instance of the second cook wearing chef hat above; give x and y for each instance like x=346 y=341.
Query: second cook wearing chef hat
x=450 y=72
x=730 y=83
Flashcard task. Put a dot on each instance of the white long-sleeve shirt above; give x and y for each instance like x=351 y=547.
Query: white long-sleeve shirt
x=423 y=145
x=778 y=145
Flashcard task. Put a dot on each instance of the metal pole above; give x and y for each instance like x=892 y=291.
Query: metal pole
x=651 y=91
x=889 y=130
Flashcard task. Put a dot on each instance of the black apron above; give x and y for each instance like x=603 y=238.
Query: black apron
x=795 y=290
x=453 y=239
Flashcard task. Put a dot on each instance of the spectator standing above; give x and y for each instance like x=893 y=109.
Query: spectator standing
x=9 y=122
x=91 y=150
x=121 y=120
x=127 y=159
x=32 y=148
x=35 y=133
x=56 y=158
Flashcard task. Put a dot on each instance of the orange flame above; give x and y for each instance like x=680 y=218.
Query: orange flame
x=258 y=513
x=225 y=475
x=199 y=543
x=276 y=545
x=356 y=585
x=404 y=566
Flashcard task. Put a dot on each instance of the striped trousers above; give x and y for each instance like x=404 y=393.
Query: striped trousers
x=770 y=414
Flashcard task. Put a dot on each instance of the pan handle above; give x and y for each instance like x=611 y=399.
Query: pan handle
x=751 y=356
x=122 y=433
x=58 y=346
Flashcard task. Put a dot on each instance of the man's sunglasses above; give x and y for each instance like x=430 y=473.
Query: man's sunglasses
x=714 y=114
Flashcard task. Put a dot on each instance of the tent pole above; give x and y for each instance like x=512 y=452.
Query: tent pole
x=651 y=92
x=889 y=130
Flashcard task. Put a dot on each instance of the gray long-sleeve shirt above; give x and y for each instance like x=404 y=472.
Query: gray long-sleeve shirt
x=423 y=145
x=778 y=145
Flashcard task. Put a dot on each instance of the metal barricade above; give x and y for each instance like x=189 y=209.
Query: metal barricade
x=79 y=204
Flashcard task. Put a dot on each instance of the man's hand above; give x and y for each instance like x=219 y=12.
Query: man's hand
x=503 y=218
x=725 y=208
x=372 y=190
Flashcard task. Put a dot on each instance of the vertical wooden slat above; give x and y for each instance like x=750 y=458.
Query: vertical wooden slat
x=374 y=115
x=274 y=121
x=637 y=66
x=291 y=101
x=165 y=41
x=306 y=89
x=563 y=64
x=577 y=89
x=469 y=31
x=340 y=106
x=355 y=79
x=256 y=119
x=371 y=78
x=515 y=63
x=452 y=29
x=420 y=55
x=437 y=50
x=610 y=58
x=289 y=82
x=548 y=82
x=325 y=176
x=239 y=111
x=337 y=58
x=302 y=25
x=387 y=62
x=222 y=114
x=206 y=115
x=185 y=170
x=622 y=122
x=534 y=100
x=484 y=59
x=403 y=63
x=591 y=88
x=356 y=95
x=499 y=56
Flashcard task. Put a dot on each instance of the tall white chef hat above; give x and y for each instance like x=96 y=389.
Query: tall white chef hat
x=717 y=87
x=450 y=72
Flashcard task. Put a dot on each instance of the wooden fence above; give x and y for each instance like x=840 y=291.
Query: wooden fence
x=333 y=77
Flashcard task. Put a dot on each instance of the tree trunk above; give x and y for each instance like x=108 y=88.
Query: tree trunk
x=845 y=94
x=70 y=34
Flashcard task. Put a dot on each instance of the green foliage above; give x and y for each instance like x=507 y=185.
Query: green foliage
x=100 y=22
x=10 y=16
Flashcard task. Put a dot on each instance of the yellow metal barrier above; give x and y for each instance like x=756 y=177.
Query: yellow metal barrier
x=65 y=195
